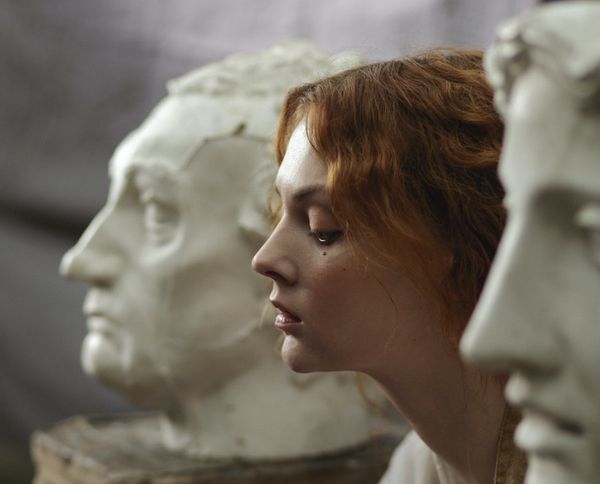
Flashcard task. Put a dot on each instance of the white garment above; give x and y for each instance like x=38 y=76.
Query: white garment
x=414 y=463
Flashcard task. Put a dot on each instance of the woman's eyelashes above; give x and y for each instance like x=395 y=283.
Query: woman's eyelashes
x=318 y=219
x=326 y=237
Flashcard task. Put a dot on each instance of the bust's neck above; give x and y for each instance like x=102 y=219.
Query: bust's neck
x=267 y=411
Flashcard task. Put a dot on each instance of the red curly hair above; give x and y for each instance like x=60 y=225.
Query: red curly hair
x=411 y=148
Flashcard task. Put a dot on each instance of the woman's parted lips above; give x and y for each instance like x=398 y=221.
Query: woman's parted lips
x=284 y=310
x=285 y=316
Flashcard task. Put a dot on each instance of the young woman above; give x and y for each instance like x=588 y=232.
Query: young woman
x=390 y=213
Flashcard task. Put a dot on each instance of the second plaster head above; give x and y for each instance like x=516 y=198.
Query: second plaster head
x=172 y=295
x=538 y=314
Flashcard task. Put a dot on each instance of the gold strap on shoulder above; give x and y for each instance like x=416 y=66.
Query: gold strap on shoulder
x=511 y=462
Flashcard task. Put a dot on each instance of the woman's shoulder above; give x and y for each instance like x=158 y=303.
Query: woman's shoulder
x=412 y=462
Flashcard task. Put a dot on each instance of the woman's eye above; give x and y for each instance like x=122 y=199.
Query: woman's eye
x=326 y=237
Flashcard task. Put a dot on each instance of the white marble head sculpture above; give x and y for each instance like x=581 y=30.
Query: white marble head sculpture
x=174 y=307
x=539 y=314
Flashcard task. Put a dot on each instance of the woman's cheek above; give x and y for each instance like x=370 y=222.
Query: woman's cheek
x=338 y=284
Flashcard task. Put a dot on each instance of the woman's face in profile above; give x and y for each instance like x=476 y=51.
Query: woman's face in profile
x=337 y=312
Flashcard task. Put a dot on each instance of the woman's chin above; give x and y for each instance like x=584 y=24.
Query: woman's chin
x=296 y=356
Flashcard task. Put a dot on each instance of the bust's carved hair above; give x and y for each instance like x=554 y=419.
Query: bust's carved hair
x=269 y=73
x=561 y=40
x=412 y=147
x=244 y=95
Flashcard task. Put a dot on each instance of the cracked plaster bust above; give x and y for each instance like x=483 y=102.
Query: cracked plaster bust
x=174 y=309
x=539 y=314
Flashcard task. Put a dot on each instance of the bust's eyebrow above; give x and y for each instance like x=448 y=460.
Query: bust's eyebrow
x=154 y=182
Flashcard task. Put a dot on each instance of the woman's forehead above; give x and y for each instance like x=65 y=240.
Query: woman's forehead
x=301 y=171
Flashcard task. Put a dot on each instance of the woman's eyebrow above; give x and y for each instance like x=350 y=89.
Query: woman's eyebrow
x=315 y=192
x=310 y=192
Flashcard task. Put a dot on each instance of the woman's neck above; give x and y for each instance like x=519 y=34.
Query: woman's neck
x=456 y=412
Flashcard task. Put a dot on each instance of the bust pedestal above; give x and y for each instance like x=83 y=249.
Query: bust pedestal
x=125 y=449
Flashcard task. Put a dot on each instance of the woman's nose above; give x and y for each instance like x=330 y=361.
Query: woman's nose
x=275 y=259
x=94 y=259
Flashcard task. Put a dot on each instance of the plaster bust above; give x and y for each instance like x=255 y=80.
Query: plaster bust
x=174 y=309
x=538 y=317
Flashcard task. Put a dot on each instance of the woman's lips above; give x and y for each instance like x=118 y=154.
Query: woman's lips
x=285 y=320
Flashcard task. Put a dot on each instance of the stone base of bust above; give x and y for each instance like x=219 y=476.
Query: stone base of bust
x=124 y=449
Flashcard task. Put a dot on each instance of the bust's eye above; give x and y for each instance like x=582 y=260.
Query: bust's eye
x=160 y=221
x=326 y=237
x=588 y=219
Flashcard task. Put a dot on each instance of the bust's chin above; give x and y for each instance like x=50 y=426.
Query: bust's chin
x=133 y=377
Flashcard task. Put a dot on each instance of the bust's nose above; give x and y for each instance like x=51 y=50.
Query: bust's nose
x=95 y=258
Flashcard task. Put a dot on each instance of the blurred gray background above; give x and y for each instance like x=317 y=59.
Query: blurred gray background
x=75 y=77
